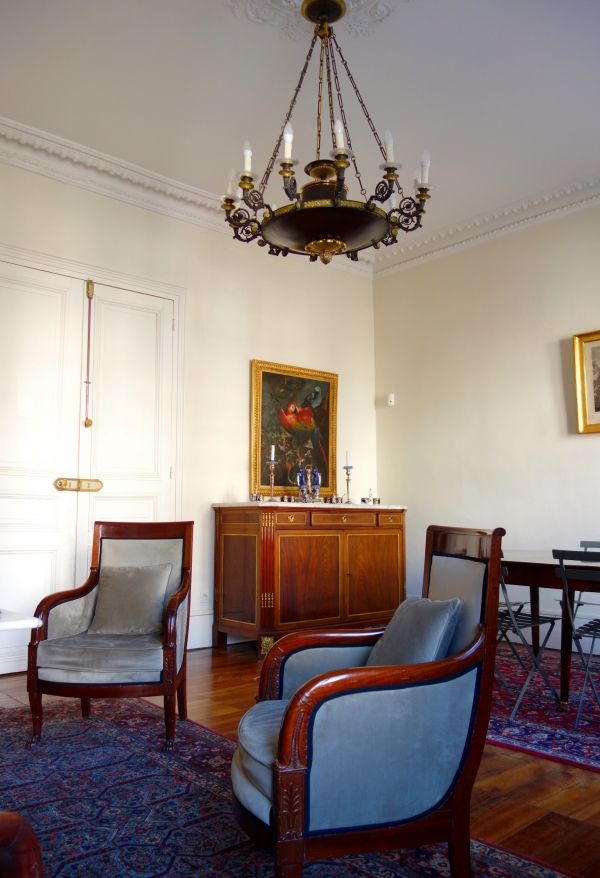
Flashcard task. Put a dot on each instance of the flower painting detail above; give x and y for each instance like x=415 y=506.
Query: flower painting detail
x=296 y=411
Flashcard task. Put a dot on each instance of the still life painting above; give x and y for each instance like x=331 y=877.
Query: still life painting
x=294 y=410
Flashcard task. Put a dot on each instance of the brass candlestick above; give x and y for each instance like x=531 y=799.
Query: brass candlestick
x=348 y=468
x=272 y=476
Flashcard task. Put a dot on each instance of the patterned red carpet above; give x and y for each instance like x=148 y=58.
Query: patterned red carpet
x=106 y=802
x=538 y=727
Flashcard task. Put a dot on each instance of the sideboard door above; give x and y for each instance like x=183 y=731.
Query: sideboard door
x=374 y=573
x=238 y=590
x=308 y=568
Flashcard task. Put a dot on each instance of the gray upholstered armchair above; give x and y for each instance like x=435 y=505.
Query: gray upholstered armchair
x=124 y=633
x=366 y=741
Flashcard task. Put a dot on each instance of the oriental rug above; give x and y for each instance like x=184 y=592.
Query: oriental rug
x=538 y=727
x=106 y=802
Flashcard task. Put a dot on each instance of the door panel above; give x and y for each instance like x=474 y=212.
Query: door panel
x=373 y=573
x=307 y=569
x=40 y=367
x=128 y=446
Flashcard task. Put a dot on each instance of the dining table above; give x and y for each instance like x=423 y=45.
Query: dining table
x=538 y=569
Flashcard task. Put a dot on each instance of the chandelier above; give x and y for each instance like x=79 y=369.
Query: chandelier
x=321 y=221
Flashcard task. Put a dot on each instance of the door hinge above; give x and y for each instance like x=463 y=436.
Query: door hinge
x=89 y=289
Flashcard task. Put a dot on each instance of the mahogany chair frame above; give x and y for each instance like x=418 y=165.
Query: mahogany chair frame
x=20 y=852
x=172 y=683
x=286 y=837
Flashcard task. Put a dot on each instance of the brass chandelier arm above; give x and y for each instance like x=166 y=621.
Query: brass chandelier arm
x=271 y=165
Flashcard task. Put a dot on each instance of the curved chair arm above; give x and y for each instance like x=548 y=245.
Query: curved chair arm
x=20 y=853
x=293 y=737
x=52 y=601
x=327 y=643
x=171 y=609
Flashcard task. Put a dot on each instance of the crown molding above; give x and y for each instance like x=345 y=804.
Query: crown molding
x=362 y=16
x=549 y=204
x=32 y=150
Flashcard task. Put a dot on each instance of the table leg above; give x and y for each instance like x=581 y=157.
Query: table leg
x=566 y=651
x=534 y=598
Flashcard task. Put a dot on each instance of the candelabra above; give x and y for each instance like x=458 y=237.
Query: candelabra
x=272 y=463
x=348 y=468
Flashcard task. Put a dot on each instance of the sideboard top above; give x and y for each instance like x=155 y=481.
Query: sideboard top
x=339 y=507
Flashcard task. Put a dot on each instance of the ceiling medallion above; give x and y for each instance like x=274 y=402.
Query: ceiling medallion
x=321 y=221
x=362 y=16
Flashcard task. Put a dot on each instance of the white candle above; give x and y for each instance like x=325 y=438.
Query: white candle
x=347 y=458
x=247 y=157
x=338 y=131
x=272 y=452
x=231 y=183
x=288 y=137
x=425 y=162
x=389 y=145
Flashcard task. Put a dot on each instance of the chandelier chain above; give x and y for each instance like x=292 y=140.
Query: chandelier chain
x=320 y=99
x=271 y=165
x=330 y=93
x=363 y=191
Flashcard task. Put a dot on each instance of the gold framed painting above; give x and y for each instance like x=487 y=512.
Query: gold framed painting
x=587 y=381
x=296 y=411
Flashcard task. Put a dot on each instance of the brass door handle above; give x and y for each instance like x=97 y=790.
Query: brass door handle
x=290 y=517
x=78 y=485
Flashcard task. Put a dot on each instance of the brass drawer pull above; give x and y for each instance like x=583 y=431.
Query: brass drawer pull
x=290 y=517
x=390 y=517
x=344 y=518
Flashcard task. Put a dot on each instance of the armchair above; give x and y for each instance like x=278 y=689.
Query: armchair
x=123 y=634
x=340 y=757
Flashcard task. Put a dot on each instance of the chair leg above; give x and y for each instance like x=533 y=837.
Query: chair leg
x=85 y=707
x=170 y=722
x=459 y=853
x=182 y=694
x=37 y=717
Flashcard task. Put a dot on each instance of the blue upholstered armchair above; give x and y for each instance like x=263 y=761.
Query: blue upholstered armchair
x=364 y=740
x=123 y=634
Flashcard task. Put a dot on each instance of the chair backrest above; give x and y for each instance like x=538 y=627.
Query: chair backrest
x=575 y=574
x=456 y=566
x=589 y=544
x=132 y=544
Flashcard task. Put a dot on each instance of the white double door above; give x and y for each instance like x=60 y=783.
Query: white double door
x=45 y=534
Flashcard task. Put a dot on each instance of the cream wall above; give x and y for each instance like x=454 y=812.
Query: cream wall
x=240 y=304
x=477 y=347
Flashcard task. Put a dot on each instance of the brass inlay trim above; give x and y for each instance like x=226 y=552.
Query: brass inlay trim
x=400 y=585
x=222 y=584
x=267 y=600
x=284 y=536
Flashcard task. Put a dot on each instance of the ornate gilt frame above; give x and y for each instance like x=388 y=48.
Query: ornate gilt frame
x=260 y=366
x=586 y=421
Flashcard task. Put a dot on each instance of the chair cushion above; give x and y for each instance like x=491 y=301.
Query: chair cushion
x=258 y=736
x=117 y=654
x=420 y=631
x=131 y=600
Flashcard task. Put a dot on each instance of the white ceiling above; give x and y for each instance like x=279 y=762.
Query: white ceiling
x=504 y=94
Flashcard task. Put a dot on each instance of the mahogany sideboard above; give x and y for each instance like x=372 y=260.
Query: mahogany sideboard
x=282 y=567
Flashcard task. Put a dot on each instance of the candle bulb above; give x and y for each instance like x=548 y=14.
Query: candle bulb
x=425 y=162
x=272 y=452
x=231 y=183
x=389 y=145
x=247 y=157
x=338 y=132
x=288 y=137
x=418 y=178
x=347 y=458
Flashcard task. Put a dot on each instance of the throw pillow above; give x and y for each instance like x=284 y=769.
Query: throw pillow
x=419 y=631
x=131 y=600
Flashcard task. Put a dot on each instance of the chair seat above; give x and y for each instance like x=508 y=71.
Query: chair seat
x=101 y=658
x=251 y=771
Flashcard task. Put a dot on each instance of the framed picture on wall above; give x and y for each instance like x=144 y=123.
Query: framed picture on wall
x=587 y=381
x=296 y=411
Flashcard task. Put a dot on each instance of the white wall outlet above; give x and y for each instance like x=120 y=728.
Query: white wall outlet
x=390 y=399
x=204 y=598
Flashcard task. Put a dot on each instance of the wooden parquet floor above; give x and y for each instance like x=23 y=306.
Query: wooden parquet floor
x=540 y=808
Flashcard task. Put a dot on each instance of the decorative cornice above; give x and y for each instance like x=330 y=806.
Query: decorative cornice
x=362 y=16
x=24 y=147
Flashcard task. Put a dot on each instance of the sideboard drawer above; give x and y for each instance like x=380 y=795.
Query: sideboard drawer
x=291 y=519
x=344 y=519
x=390 y=519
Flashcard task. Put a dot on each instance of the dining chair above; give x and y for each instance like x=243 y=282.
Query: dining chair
x=591 y=628
x=512 y=618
